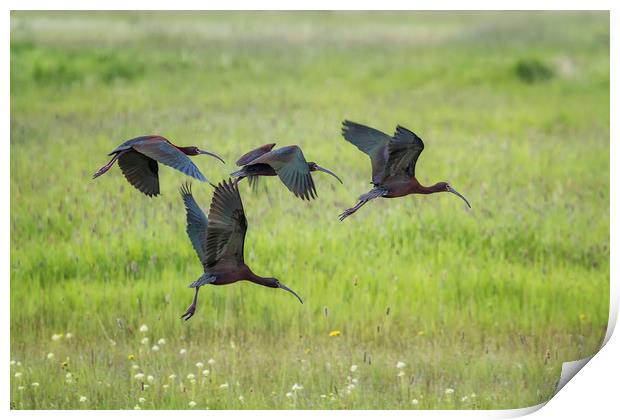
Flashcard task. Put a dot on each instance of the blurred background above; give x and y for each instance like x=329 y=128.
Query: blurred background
x=411 y=303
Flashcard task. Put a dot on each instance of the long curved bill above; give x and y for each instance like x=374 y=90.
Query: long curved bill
x=281 y=286
x=318 y=168
x=204 y=152
x=453 y=191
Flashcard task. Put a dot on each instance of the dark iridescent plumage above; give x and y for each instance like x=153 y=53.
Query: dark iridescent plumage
x=219 y=240
x=393 y=161
x=138 y=159
x=288 y=163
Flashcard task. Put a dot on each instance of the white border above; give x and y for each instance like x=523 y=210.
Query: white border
x=594 y=392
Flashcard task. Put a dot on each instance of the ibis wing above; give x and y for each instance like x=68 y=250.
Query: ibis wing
x=141 y=171
x=227 y=227
x=253 y=154
x=197 y=222
x=166 y=153
x=291 y=166
x=370 y=141
x=403 y=152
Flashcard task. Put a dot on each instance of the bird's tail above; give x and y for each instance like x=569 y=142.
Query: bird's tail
x=253 y=181
x=202 y=280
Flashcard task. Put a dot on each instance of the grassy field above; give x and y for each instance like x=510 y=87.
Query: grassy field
x=480 y=307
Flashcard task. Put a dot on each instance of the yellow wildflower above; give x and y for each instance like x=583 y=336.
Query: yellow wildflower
x=334 y=333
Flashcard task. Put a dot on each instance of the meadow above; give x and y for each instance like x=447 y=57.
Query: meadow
x=412 y=303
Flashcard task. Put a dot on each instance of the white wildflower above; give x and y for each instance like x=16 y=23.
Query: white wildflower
x=289 y=395
x=56 y=337
x=135 y=367
x=68 y=335
x=144 y=328
x=192 y=404
x=200 y=365
x=182 y=352
x=145 y=340
x=139 y=376
x=401 y=365
x=137 y=407
x=172 y=377
x=224 y=385
x=297 y=387
x=464 y=398
x=415 y=402
x=83 y=398
x=353 y=368
x=449 y=391
x=150 y=379
x=50 y=356
x=13 y=362
x=205 y=372
x=400 y=374
x=35 y=384
x=190 y=376
x=18 y=375
x=211 y=361
x=21 y=387
x=141 y=400
x=155 y=348
x=161 y=341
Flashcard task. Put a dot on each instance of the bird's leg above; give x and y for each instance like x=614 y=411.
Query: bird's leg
x=192 y=308
x=350 y=211
x=365 y=198
x=105 y=168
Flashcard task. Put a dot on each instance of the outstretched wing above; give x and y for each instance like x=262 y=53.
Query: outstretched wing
x=291 y=166
x=197 y=223
x=253 y=154
x=370 y=141
x=226 y=228
x=161 y=150
x=140 y=171
x=403 y=152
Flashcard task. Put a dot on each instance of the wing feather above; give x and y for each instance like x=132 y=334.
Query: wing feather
x=197 y=222
x=141 y=172
x=166 y=153
x=370 y=141
x=292 y=168
x=227 y=227
x=403 y=152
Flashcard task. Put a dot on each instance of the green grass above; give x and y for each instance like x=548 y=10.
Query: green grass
x=514 y=111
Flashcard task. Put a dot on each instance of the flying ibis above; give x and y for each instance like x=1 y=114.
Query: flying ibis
x=138 y=159
x=286 y=162
x=218 y=241
x=393 y=162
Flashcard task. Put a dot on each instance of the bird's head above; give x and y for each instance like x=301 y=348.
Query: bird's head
x=276 y=284
x=444 y=186
x=194 y=151
x=314 y=167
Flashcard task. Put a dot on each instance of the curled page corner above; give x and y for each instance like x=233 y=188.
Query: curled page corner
x=570 y=369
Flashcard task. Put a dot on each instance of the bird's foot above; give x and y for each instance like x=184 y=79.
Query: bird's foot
x=346 y=213
x=189 y=312
x=100 y=172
